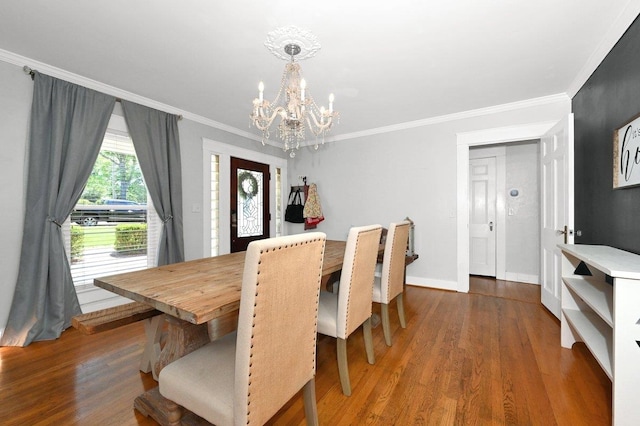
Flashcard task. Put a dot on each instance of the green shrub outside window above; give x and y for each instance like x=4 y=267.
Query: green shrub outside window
x=77 y=242
x=131 y=238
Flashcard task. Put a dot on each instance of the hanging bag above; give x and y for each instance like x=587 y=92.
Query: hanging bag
x=295 y=208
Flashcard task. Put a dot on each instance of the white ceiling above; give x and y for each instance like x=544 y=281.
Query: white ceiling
x=388 y=62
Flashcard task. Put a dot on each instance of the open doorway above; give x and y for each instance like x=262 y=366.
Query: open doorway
x=498 y=135
x=504 y=211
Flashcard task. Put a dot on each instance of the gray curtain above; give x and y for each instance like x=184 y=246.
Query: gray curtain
x=68 y=123
x=155 y=138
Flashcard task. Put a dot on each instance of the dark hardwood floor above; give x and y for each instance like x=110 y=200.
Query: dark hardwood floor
x=492 y=356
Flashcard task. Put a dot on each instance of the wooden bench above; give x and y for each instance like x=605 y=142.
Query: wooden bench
x=110 y=318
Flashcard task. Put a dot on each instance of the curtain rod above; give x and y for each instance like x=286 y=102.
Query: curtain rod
x=31 y=72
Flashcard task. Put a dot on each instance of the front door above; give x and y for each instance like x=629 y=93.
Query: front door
x=557 y=208
x=249 y=203
x=482 y=216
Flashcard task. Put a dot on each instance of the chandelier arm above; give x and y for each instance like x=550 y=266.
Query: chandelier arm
x=267 y=120
x=320 y=126
x=312 y=128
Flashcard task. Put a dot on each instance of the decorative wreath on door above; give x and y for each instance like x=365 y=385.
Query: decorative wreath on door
x=247 y=185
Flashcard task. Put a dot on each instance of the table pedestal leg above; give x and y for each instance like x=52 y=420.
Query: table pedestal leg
x=223 y=325
x=162 y=410
x=166 y=412
x=182 y=339
x=153 y=334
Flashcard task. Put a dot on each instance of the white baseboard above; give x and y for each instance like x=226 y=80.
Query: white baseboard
x=522 y=278
x=431 y=283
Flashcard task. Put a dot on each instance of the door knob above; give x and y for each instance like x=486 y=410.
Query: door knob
x=566 y=232
x=490 y=226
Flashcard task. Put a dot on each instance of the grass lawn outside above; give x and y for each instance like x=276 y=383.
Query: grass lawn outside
x=99 y=236
x=96 y=256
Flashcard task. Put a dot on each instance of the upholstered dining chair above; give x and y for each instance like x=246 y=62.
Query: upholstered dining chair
x=390 y=285
x=248 y=375
x=341 y=314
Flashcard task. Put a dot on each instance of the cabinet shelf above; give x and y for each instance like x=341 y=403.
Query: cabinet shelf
x=596 y=294
x=597 y=335
x=611 y=261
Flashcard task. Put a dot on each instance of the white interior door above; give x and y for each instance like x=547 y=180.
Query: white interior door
x=482 y=216
x=557 y=208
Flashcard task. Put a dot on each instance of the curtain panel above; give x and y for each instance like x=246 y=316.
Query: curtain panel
x=68 y=124
x=157 y=143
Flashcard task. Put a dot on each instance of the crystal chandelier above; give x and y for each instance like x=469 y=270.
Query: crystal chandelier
x=293 y=106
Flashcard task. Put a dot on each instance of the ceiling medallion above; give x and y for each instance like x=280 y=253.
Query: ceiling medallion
x=293 y=104
x=279 y=38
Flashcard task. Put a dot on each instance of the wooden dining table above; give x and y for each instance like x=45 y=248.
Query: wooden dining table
x=200 y=298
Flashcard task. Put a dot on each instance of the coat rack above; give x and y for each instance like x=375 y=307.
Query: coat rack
x=295 y=188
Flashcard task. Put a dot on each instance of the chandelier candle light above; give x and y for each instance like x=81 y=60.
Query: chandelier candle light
x=294 y=104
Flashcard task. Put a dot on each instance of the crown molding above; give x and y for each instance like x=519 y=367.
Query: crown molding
x=613 y=35
x=21 y=61
x=528 y=103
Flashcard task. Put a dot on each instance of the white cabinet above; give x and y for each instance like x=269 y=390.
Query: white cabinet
x=605 y=315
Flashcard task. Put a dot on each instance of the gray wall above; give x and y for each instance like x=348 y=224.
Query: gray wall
x=16 y=90
x=609 y=99
x=386 y=177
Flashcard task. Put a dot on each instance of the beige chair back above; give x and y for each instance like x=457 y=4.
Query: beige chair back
x=276 y=342
x=356 y=282
x=393 y=261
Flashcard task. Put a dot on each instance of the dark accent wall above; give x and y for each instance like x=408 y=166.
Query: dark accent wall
x=608 y=100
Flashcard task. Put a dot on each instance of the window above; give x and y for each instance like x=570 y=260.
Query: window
x=215 y=204
x=113 y=227
x=279 y=203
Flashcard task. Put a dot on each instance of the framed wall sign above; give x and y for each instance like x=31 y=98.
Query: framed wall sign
x=626 y=154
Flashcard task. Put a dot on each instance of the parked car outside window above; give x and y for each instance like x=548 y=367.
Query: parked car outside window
x=109 y=210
